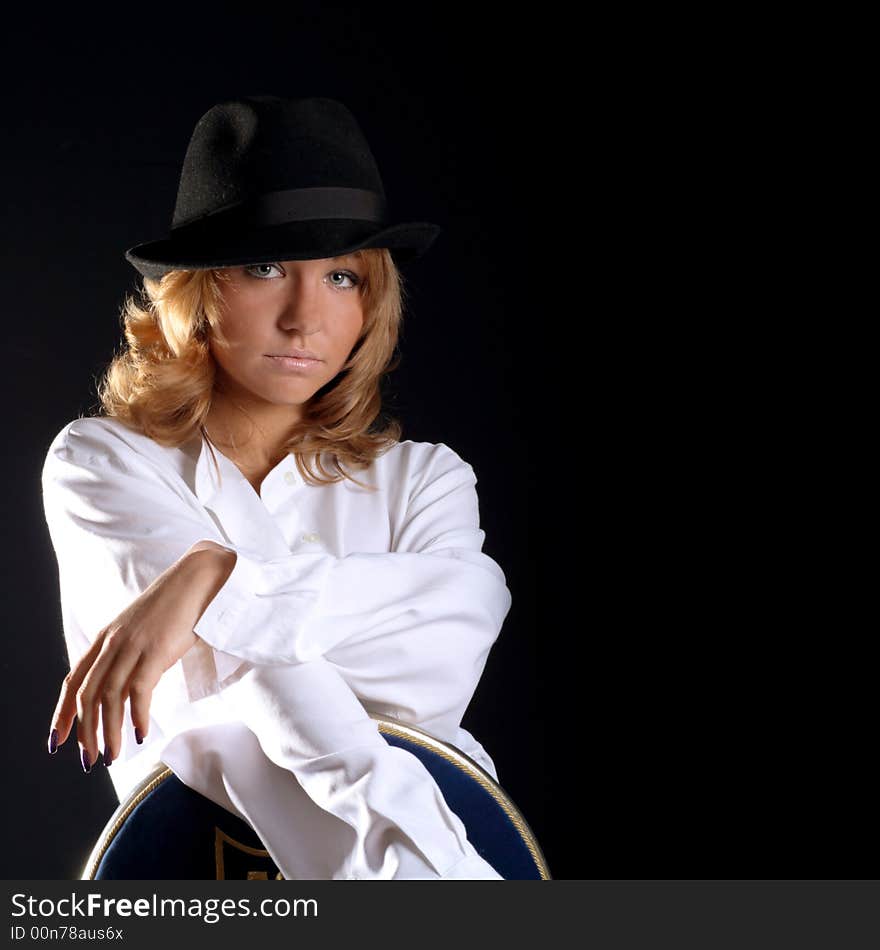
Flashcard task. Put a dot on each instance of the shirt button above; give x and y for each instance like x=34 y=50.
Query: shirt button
x=289 y=477
x=310 y=537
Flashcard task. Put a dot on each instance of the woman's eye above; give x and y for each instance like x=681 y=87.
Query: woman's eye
x=355 y=280
x=252 y=267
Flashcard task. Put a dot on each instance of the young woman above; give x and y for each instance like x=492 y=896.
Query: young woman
x=250 y=559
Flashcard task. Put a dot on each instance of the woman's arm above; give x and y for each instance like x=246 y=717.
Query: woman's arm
x=130 y=654
x=416 y=627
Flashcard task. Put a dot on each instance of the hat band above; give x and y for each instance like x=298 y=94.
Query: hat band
x=292 y=204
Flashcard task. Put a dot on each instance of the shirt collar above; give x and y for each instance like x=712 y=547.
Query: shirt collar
x=206 y=483
x=242 y=513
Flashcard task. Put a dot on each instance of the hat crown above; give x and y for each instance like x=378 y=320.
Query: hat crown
x=243 y=148
x=267 y=178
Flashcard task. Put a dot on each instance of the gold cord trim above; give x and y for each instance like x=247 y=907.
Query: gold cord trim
x=153 y=780
x=476 y=771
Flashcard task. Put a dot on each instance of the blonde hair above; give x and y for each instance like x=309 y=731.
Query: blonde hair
x=162 y=383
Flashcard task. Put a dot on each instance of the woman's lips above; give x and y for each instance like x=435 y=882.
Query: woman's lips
x=293 y=363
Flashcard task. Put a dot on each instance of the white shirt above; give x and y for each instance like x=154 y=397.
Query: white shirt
x=387 y=591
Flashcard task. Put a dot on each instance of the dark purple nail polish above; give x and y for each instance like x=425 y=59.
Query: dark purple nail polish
x=85 y=761
x=137 y=735
x=107 y=758
x=53 y=742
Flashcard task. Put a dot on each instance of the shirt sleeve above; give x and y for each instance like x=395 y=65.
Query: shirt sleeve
x=117 y=522
x=419 y=656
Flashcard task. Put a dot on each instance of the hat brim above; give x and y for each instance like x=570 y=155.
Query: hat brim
x=298 y=240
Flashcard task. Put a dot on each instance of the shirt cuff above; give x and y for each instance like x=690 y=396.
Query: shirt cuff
x=259 y=612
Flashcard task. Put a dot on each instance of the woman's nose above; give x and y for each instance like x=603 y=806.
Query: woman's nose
x=302 y=311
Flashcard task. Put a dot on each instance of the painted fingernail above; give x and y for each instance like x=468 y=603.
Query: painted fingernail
x=138 y=735
x=87 y=767
x=53 y=742
x=107 y=758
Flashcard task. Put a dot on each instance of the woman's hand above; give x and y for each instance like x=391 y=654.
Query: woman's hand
x=129 y=656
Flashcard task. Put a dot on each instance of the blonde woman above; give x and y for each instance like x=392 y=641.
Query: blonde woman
x=250 y=558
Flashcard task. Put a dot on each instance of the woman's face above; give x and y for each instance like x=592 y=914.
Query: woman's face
x=292 y=309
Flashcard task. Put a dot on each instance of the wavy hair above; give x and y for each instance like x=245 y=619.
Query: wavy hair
x=161 y=382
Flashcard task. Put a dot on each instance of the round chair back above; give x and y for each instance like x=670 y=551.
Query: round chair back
x=165 y=830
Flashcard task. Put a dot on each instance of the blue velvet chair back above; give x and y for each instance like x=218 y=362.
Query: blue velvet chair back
x=165 y=830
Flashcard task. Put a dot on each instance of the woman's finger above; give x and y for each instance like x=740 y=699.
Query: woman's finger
x=113 y=692
x=140 y=691
x=112 y=666
x=65 y=708
x=65 y=711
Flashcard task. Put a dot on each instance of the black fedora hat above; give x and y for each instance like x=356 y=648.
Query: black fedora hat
x=267 y=179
